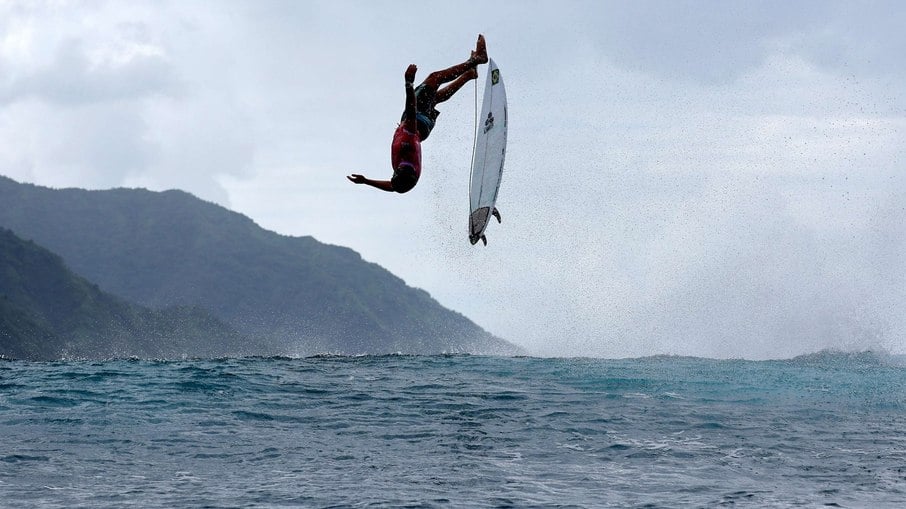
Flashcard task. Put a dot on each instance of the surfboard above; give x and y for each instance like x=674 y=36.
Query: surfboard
x=488 y=156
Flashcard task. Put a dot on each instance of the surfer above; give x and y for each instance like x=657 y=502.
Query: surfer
x=419 y=118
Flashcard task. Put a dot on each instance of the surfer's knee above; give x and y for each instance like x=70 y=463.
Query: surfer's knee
x=432 y=81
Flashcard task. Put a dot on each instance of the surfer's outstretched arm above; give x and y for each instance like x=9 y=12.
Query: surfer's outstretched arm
x=383 y=185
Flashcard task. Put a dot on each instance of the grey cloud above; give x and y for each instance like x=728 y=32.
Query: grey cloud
x=709 y=41
x=105 y=141
x=860 y=38
x=71 y=79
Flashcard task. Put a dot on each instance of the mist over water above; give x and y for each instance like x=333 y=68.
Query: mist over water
x=796 y=253
x=734 y=271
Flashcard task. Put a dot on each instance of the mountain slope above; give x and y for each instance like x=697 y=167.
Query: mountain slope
x=293 y=294
x=47 y=312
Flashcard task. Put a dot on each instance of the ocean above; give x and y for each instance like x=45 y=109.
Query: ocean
x=454 y=431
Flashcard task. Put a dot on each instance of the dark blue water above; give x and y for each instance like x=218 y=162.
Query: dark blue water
x=454 y=431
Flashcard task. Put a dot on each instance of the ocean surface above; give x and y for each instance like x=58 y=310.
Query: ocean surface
x=454 y=431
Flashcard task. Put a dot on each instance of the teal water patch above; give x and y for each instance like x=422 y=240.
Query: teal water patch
x=455 y=431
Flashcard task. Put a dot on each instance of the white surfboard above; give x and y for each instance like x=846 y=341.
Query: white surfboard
x=487 y=161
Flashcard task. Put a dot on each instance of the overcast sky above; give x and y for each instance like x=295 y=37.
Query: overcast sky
x=712 y=178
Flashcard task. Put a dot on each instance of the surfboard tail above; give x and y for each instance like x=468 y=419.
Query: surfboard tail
x=478 y=221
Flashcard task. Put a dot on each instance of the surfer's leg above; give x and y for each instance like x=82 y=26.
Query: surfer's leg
x=438 y=78
x=448 y=91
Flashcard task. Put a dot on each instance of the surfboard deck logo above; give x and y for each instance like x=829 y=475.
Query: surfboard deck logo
x=488 y=157
x=489 y=123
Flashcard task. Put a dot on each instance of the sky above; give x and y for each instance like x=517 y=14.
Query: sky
x=709 y=178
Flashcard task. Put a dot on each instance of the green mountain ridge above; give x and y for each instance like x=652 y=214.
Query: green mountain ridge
x=291 y=295
x=47 y=313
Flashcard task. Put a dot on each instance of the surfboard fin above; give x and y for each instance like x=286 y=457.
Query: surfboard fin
x=484 y=240
x=496 y=214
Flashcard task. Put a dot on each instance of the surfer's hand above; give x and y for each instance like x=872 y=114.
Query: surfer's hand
x=355 y=178
x=410 y=73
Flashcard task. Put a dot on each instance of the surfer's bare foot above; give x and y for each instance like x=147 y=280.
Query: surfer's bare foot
x=480 y=55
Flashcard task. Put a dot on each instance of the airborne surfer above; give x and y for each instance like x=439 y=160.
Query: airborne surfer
x=419 y=118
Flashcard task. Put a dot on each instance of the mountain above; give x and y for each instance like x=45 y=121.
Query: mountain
x=47 y=312
x=293 y=295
